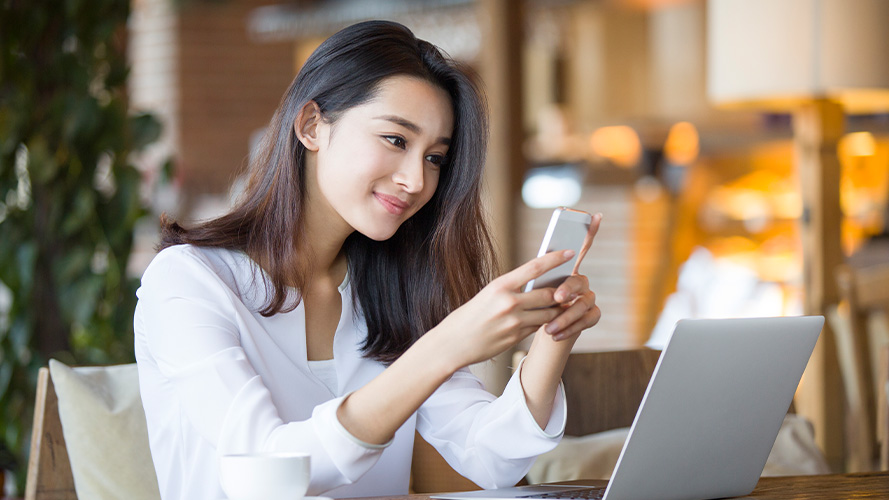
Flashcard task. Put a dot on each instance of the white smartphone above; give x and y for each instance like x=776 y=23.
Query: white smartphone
x=568 y=230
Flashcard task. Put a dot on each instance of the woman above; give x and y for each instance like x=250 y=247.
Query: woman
x=336 y=307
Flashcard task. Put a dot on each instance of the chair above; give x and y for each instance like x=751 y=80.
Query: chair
x=104 y=446
x=861 y=330
x=604 y=389
x=603 y=392
x=49 y=471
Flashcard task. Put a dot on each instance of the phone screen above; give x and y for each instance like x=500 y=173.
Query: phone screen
x=567 y=230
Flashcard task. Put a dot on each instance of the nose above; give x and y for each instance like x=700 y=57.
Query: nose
x=410 y=175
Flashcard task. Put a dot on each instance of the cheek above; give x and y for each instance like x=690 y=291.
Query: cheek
x=348 y=162
x=432 y=181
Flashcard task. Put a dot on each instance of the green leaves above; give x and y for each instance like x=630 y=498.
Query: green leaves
x=69 y=196
x=144 y=130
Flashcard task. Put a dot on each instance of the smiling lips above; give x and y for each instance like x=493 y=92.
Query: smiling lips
x=392 y=204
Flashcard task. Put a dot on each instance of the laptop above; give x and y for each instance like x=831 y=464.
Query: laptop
x=709 y=417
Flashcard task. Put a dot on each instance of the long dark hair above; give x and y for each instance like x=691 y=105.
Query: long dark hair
x=437 y=260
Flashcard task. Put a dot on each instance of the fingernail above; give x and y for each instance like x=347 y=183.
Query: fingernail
x=568 y=254
x=559 y=296
x=552 y=328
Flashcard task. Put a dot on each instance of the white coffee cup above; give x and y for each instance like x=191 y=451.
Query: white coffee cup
x=265 y=476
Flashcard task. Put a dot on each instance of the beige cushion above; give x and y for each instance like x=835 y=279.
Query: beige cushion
x=104 y=427
x=594 y=456
x=795 y=452
x=585 y=457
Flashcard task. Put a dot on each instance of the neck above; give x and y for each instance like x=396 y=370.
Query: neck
x=325 y=234
x=325 y=245
x=325 y=231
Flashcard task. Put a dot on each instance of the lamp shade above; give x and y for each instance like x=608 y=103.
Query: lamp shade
x=776 y=54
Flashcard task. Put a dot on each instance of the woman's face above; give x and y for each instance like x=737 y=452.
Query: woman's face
x=380 y=162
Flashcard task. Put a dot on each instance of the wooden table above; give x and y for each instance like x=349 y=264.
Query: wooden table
x=864 y=486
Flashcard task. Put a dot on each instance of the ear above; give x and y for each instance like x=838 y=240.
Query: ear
x=307 y=125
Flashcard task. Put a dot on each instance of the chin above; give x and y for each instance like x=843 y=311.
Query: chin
x=378 y=234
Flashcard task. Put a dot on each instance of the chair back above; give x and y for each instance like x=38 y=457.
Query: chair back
x=89 y=436
x=49 y=471
x=604 y=389
x=862 y=329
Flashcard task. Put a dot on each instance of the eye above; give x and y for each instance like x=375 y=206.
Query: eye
x=396 y=141
x=437 y=160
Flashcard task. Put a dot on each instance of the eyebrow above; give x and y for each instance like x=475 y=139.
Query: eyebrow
x=413 y=127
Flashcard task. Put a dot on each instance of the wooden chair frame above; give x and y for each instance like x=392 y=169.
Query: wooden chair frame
x=49 y=469
x=604 y=389
x=865 y=290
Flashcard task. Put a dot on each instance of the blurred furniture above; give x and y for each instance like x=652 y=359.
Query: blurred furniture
x=92 y=438
x=883 y=407
x=817 y=59
x=862 y=331
x=604 y=389
x=49 y=471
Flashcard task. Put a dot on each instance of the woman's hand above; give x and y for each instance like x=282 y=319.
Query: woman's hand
x=501 y=315
x=552 y=344
x=577 y=300
x=579 y=309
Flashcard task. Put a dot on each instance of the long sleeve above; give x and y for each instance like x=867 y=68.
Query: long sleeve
x=492 y=441
x=196 y=373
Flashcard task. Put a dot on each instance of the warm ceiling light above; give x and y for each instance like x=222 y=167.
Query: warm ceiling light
x=778 y=55
x=682 y=144
x=857 y=144
x=619 y=144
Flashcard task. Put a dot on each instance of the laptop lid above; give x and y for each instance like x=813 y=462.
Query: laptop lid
x=713 y=408
x=710 y=414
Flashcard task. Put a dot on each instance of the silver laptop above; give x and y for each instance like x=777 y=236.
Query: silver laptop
x=709 y=417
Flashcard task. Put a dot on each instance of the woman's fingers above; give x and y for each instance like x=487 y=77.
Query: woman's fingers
x=589 y=319
x=566 y=293
x=536 y=317
x=536 y=299
x=534 y=268
x=571 y=288
x=578 y=314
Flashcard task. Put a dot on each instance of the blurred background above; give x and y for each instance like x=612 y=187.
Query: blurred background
x=739 y=151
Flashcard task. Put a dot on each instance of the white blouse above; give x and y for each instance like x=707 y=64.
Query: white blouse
x=216 y=377
x=325 y=371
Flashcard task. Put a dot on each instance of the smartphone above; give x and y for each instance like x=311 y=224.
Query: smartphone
x=568 y=230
